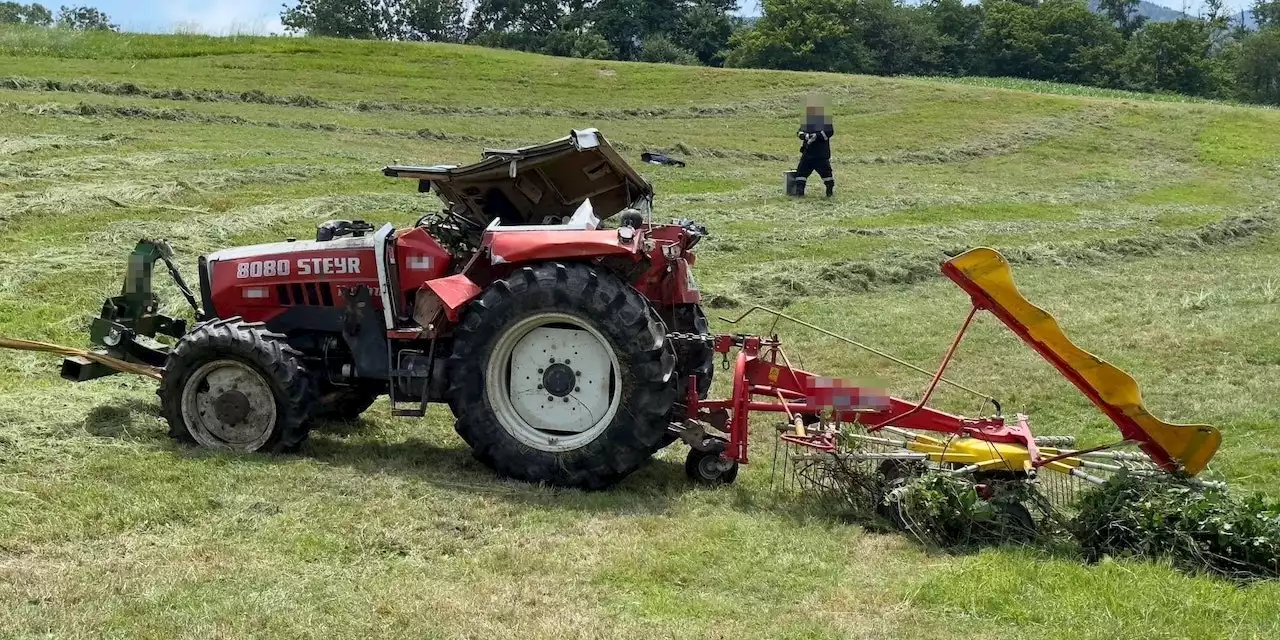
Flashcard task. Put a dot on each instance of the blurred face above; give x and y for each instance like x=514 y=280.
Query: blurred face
x=815 y=109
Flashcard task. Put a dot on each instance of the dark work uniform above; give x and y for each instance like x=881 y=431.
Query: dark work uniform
x=815 y=154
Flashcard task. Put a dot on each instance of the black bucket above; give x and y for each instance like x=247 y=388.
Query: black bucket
x=789 y=180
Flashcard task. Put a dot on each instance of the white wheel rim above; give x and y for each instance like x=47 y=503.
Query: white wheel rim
x=226 y=404
x=553 y=382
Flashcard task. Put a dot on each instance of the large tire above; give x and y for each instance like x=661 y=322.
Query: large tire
x=692 y=359
x=235 y=385
x=633 y=364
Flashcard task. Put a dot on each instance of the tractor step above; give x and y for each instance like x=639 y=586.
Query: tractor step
x=414 y=412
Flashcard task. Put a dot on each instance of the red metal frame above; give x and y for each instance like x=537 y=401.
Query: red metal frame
x=764 y=380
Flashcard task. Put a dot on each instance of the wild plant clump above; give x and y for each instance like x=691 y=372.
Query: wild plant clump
x=1197 y=530
x=1161 y=517
x=944 y=510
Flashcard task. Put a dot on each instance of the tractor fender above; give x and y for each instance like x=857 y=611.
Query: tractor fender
x=518 y=246
x=453 y=292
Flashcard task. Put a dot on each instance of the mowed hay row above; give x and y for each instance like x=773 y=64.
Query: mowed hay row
x=14 y=145
x=191 y=234
x=773 y=105
x=67 y=199
x=783 y=282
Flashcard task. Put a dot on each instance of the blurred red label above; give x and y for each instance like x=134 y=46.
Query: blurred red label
x=842 y=395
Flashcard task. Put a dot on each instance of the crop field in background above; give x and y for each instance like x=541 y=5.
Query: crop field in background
x=1148 y=227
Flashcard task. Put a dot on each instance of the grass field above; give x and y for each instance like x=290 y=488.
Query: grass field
x=1147 y=226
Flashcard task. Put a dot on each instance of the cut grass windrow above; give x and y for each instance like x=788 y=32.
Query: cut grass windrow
x=785 y=282
x=89 y=110
x=768 y=106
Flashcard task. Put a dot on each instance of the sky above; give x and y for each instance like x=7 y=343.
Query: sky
x=226 y=17
x=214 y=17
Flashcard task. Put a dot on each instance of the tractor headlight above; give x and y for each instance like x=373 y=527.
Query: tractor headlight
x=671 y=252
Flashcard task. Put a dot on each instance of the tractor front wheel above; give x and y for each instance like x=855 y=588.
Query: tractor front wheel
x=234 y=385
x=561 y=373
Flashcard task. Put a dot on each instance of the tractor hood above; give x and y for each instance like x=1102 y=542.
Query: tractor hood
x=540 y=184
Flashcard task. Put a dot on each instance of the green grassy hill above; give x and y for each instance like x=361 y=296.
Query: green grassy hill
x=1148 y=227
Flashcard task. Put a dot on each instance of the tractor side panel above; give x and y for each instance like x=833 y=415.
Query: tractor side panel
x=419 y=259
x=262 y=287
x=512 y=247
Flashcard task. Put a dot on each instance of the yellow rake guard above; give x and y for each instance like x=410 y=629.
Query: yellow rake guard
x=985 y=275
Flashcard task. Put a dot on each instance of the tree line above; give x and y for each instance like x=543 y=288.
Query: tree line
x=1113 y=46
x=1208 y=55
x=37 y=15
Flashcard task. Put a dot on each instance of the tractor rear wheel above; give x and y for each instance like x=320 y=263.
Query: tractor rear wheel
x=234 y=385
x=561 y=373
x=697 y=359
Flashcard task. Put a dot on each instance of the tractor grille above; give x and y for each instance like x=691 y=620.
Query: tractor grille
x=311 y=294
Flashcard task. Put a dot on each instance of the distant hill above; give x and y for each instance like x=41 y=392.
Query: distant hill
x=1160 y=13
x=1152 y=11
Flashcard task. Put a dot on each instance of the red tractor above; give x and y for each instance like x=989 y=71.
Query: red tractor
x=546 y=333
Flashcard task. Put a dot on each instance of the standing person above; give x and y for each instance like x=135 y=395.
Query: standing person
x=815 y=149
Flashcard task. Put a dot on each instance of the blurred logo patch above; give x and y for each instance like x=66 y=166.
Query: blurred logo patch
x=845 y=395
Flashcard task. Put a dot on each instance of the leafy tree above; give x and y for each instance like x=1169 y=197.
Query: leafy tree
x=705 y=28
x=546 y=26
x=899 y=38
x=591 y=46
x=1059 y=40
x=573 y=43
x=1124 y=14
x=358 y=19
x=34 y=14
x=663 y=49
x=1266 y=13
x=626 y=23
x=494 y=16
x=803 y=35
x=1172 y=56
x=958 y=27
x=1257 y=67
x=435 y=20
x=84 y=19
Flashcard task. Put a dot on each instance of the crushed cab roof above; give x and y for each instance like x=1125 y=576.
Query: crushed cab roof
x=530 y=184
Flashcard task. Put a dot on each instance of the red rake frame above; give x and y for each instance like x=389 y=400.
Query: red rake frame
x=764 y=380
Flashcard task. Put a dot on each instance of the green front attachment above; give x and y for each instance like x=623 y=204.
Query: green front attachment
x=132 y=315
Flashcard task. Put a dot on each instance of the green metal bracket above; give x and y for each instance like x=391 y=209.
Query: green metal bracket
x=133 y=314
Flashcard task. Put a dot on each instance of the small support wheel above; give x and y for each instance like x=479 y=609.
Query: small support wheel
x=1013 y=522
x=709 y=468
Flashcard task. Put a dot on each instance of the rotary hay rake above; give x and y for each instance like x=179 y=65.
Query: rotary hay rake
x=880 y=453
